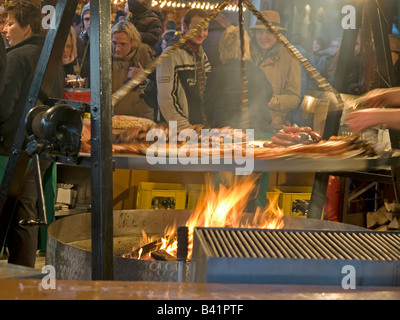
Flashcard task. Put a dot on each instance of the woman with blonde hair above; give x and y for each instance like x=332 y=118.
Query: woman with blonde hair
x=223 y=92
x=129 y=57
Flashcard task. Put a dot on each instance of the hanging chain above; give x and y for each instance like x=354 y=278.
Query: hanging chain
x=142 y=75
x=244 y=89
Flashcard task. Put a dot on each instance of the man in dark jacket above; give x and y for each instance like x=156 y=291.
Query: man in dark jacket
x=23 y=31
x=147 y=21
x=215 y=31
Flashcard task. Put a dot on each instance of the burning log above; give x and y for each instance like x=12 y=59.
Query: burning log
x=162 y=255
x=141 y=251
x=149 y=248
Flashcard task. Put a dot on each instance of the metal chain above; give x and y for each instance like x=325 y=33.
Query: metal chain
x=244 y=88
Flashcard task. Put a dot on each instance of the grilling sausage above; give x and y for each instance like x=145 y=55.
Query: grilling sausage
x=289 y=129
x=289 y=136
x=315 y=136
x=281 y=142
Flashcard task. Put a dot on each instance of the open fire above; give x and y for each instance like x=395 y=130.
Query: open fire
x=222 y=205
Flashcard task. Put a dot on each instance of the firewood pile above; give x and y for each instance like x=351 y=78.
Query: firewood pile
x=386 y=218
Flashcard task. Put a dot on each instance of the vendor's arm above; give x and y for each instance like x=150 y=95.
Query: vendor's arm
x=362 y=120
x=171 y=96
x=378 y=98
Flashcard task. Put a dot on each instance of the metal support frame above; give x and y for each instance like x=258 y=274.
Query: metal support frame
x=101 y=152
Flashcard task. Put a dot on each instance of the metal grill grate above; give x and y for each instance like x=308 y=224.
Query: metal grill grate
x=293 y=244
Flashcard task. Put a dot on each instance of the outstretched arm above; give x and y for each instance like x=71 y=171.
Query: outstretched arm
x=362 y=120
x=379 y=98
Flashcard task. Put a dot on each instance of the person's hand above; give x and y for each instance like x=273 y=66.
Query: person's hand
x=379 y=98
x=134 y=71
x=272 y=101
x=363 y=119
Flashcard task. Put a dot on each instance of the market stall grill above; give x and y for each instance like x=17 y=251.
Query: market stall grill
x=69 y=245
x=224 y=255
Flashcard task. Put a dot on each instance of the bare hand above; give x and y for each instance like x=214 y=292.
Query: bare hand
x=379 y=98
x=133 y=71
x=363 y=119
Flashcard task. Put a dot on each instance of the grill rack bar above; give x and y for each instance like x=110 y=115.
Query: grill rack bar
x=301 y=244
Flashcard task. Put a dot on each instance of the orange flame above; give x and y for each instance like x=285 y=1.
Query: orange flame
x=225 y=207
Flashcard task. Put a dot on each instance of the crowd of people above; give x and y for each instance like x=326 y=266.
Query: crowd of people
x=199 y=83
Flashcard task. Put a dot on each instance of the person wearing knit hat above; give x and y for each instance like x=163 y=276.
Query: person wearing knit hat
x=85 y=17
x=148 y=22
x=85 y=38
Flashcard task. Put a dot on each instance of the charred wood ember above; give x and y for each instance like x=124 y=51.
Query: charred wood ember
x=162 y=255
x=151 y=247
x=137 y=253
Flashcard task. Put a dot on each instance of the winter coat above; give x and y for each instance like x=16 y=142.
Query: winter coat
x=22 y=60
x=319 y=61
x=179 y=95
x=222 y=97
x=71 y=68
x=148 y=22
x=163 y=43
x=132 y=104
x=2 y=63
x=211 y=43
x=85 y=60
x=283 y=72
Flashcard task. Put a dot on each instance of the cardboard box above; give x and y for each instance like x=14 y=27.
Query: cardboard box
x=66 y=196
